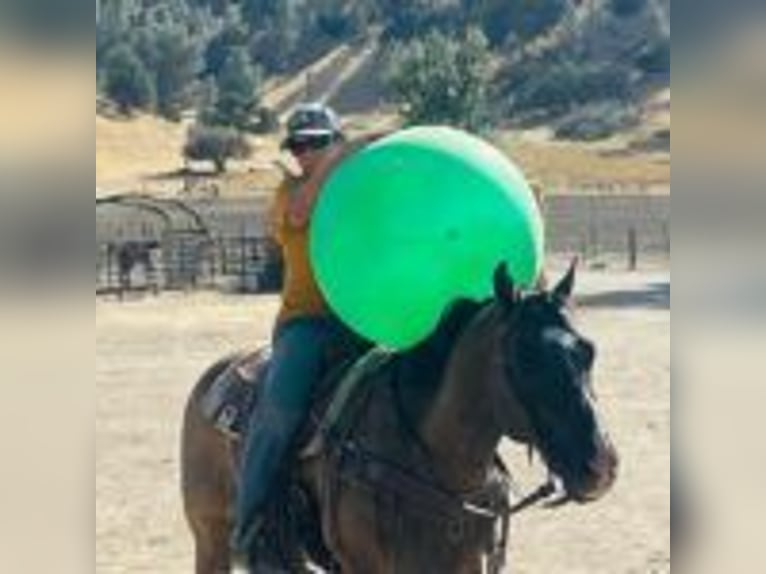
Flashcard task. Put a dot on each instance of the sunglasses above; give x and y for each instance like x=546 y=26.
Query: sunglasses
x=298 y=146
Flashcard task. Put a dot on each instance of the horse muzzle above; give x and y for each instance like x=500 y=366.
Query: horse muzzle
x=599 y=477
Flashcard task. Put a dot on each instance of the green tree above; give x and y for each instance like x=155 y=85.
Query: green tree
x=232 y=36
x=340 y=18
x=258 y=12
x=216 y=144
x=236 y=87
x=174 y=58
x=627 y=8
x=654 y=58
x=441 y=79
x=126 y=80
x=410 y=19
x=276 y=30
x=557 y=86
x=519 y=19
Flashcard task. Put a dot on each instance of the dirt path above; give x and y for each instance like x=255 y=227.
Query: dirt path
x=150 y=351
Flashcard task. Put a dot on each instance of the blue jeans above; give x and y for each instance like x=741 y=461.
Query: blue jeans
x=298 y=348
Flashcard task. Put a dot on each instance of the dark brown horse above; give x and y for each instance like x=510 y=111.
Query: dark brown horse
x=408 y=482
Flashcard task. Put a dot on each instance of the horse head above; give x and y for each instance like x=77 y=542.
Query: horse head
x=547 y=367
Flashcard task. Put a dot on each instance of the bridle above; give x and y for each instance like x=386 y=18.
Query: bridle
x=512 y=371
x=513 y=367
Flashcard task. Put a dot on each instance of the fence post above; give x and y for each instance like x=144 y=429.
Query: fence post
x=111 y=252
x=116 y=262
x=213 y=259
x=584 y=247
x=592 y=227
x=632 y=248
x=243 y=258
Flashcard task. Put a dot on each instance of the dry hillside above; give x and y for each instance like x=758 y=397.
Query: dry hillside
x=141 y=152
x=129 y=150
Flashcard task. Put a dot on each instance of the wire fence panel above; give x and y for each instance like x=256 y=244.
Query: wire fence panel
x=609 y=224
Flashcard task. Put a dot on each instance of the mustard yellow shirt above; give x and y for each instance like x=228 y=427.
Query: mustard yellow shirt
x=301 y=296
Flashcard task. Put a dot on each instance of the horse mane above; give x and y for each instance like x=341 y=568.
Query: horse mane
x=422 y=366
x=451 y=324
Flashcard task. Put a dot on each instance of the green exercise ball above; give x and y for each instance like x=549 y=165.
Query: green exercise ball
x=416 y=220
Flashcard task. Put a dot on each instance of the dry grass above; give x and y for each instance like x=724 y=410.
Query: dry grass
x=567 y=167
x=613 y=165
x=129 y=150
x=134 y=152
x=144 y=153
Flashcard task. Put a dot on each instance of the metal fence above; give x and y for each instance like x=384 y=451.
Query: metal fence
x=153 y=244
x=596 y=225
x=236 y=264
x=224 y=244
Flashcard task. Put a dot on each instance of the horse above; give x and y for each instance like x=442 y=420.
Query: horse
x=411 y=482
x=131 y=255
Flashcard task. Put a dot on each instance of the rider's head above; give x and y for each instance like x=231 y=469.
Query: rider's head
x=312 y=129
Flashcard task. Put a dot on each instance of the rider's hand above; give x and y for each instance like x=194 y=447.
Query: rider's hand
x=299 y=211
x=301 y=206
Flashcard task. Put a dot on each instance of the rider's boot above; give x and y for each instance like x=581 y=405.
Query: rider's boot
x=268 y=439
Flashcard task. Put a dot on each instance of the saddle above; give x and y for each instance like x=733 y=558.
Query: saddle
x=232 y=397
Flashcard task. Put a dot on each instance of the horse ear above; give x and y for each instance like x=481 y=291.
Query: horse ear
x=504 y=289
x=563 y=289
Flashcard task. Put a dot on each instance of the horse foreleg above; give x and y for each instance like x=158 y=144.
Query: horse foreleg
x=211 y=546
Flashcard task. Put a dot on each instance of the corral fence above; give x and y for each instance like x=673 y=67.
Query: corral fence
x=626 y=226
x=150 y=244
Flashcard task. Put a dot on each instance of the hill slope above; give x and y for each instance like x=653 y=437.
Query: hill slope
x=128 y=150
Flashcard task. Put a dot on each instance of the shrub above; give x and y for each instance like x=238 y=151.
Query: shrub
x=217 y=144
x=597 y=121
x=558 y=86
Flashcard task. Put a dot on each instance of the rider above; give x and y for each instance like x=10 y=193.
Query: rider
x=304 y=324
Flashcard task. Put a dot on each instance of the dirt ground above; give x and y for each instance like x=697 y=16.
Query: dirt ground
x=149 y=352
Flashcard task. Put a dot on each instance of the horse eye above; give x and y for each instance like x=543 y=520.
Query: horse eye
x=530 y=355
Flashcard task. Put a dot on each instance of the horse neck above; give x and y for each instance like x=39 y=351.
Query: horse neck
x=461 y=428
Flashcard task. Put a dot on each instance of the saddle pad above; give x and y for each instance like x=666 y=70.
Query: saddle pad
x=230 y=399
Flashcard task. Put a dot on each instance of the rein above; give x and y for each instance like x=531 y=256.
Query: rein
x=483 y=513
x=542 y=492
x=473 y=515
